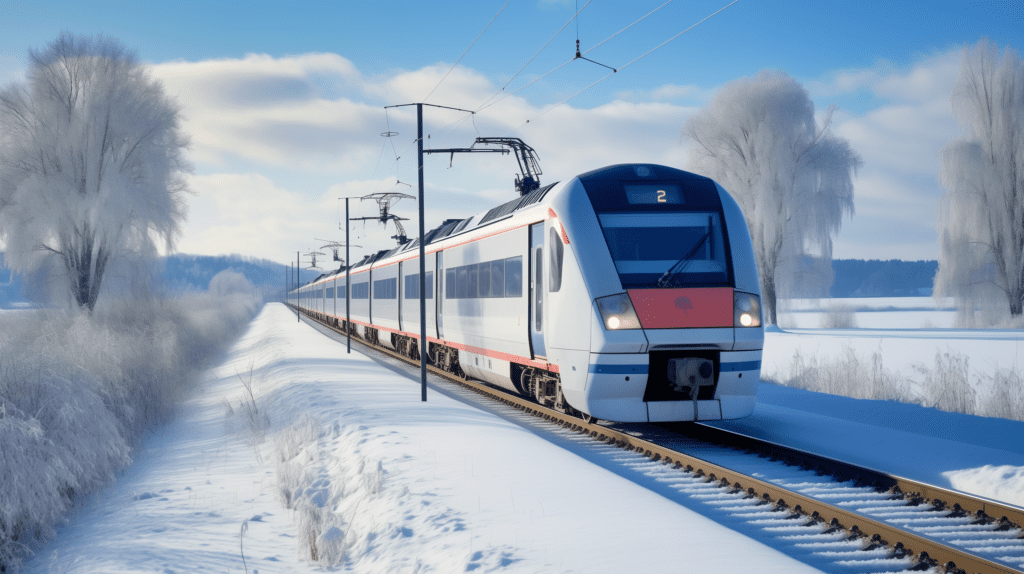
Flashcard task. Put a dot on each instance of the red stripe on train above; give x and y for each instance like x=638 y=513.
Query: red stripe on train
x=540 y=364
x=683 y=308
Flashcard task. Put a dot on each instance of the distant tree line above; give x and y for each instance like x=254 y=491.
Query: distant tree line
x=874 y=278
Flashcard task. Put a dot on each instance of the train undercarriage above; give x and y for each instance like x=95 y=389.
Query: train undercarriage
x=540 y=385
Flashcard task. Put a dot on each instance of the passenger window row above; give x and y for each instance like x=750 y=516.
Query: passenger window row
x=412 y=286
x=361 y=290
x=385 y=289
x=490 y=279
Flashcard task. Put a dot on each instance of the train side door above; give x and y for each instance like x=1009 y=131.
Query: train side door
x=400 y=292
x=536 y=270
x=439 y=293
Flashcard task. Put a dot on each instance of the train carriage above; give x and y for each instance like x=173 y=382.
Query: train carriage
x=628 y=293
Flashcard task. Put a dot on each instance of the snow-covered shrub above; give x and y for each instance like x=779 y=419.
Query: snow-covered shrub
x=77 y=393
x=838 y=316
x=291 y=468
x=947 y=385
x=849 y=376
x=313 y=496
x=1005 y=395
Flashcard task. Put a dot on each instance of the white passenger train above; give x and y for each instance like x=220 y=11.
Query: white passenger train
x=628 y=293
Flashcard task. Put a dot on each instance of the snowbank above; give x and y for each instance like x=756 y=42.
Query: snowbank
x=77 y=393
x=359 y=471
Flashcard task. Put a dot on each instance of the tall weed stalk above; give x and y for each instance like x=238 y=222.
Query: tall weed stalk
x=948 y=384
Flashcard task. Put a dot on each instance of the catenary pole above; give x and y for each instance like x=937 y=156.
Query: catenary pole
x=423 y=264
x=348 y=287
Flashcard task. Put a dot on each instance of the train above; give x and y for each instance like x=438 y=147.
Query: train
x=629 y=293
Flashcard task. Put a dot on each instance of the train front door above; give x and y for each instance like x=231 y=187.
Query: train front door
x=536 y=271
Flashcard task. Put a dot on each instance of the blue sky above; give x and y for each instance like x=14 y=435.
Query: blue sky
x=284 y=100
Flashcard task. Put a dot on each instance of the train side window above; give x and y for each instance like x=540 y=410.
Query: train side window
x=429 y=284
x=484 y=279
x=498 y=278
x=557 y=251
x=514 y=276
x=462 y=280
x=449 y=284
x=473 y=284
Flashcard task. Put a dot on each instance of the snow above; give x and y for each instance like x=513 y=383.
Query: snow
x=353 y=463
x=980 y=455
x=407 y=486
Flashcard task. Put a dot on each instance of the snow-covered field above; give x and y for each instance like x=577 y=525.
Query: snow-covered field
x=378 y=481
x=900 y=349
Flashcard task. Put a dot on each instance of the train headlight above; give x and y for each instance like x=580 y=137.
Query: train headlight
x=746 y=310
x=617 y=312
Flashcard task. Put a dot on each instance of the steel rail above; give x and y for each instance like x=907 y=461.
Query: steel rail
x=902 y=543
x=980 y=507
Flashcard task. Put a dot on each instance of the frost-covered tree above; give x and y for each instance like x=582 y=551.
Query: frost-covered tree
x=981 y=215
x=758 y=137
x=91 y=164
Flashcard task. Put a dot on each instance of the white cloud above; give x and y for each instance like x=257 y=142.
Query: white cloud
x=251 y=215
x=315 y=117
x=899 y=140
x=669 y=93
x=926 y=79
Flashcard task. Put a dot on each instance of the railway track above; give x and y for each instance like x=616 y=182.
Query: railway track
x=850 y=518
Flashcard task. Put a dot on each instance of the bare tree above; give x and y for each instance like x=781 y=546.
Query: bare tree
x=981 y=215
x=793 y=179
x=91 y=165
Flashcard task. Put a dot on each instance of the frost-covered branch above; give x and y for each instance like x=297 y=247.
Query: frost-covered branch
x=981 y=215
x=91 y=163
x=792 y=178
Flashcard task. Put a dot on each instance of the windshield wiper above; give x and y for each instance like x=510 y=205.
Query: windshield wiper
x=666 y=280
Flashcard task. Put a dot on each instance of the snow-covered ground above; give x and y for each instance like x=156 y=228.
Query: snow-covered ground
x=439 y=486
x=870 y=312
x=444 y=486
x=901 y=349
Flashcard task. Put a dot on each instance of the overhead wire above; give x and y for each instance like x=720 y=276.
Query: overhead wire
x=500 y=10
x=488 y=103
x=514 y=76
x=627 y=64
x=485 y=105
x=575 y=17
x=467 y=50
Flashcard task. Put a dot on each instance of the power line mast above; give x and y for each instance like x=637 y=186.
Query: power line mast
x=335 y=247
x=312 y=256
x=385 y=201
x=529 y=167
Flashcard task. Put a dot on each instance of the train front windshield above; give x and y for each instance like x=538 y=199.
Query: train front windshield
x=663 y=226
x=666 y=249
